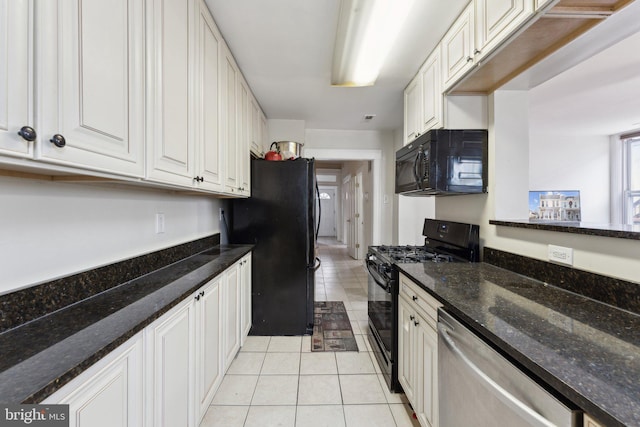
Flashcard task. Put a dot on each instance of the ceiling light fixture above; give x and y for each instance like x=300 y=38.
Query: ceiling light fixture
x=366 y=31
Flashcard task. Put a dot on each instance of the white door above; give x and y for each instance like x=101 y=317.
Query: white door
x=210 y=154
x=350 y=205
x=359 y=216
x=328 y=207
x=171 y=352
x=90 y=84
x=208 y=344
x=15 y=87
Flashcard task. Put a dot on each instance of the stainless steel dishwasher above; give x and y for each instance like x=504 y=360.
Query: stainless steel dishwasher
x=479 y=387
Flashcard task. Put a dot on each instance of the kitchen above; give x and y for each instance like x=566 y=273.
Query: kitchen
x=55 y=225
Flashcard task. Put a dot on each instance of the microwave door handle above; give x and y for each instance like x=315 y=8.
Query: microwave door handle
x=416 y=163
x=507 y=398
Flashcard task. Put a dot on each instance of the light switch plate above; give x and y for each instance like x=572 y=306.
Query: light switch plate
x=159 y=223
x=560 y=254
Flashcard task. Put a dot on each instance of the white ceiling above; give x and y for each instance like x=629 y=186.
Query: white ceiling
x=285 y=51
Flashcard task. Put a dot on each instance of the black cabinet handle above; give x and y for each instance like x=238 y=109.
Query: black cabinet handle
x=412 y=317
x=58 y=140
x=416 y=323
x=198 y=179
x=202 y=293
x=28 y=133
x=197 y=297
x=415 y=298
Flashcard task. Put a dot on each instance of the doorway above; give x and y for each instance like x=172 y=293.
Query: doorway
x=328 y=206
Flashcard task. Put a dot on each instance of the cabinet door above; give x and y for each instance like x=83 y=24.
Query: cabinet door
x=90 y=79
x=457 y=48
x=432 y=98
x=245 y=280
x=264 y=135
x=110 y=397
x=230 y=114
x=170 y=118
x=412 y=110
x=406 y=350
x=208 y=344
x=496 y=20
x=231 y=302
x=244 y=137
x=210 y=148
x=256 y=131
x=170 y=347
x=427 y=374
x=15 y=76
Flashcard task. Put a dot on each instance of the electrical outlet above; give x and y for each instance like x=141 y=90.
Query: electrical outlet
x=561 y=254
x=159 y=223
x=221 y=214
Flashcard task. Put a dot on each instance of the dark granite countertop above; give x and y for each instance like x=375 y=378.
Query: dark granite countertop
x=39 y=357
x=585 y=350
x=620 y=231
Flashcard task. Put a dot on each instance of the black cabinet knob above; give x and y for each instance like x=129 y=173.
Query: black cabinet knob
x=197 y=297
x=412 y=317
x=415 y=298
x=58 y=140
x=416 y=323
x=198 y=179
x=28 y=133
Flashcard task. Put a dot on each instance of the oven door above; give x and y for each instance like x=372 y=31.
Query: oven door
x=382 y=291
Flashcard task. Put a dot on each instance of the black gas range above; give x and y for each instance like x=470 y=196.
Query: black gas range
x=445 y=241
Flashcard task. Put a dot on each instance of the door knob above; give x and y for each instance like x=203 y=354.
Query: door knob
x=27 y=133
x=58 y=140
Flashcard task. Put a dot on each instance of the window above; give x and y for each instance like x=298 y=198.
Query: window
x=632 y=178
x=325 y=196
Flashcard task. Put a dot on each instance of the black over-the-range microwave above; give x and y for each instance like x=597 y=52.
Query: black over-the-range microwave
x=443 y=162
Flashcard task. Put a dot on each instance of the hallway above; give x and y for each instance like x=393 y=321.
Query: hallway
x=278 y=381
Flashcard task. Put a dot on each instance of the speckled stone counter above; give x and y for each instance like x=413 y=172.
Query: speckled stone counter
x=585 y=350
x=40 y=356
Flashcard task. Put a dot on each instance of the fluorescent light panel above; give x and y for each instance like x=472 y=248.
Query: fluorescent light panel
x=366 y=32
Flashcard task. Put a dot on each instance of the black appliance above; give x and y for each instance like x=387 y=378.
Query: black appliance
x=445 y=241
x=280 y=220
x=443 y=162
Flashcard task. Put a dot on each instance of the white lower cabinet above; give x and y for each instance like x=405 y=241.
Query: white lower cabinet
x=418 y=351
x=231 y=314
x=209 y=371
x=170 y=367
x=168 y=374
x=245 y=297
x=110 y=393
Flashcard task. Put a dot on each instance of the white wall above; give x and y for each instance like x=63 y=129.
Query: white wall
x=573 y=162
x=50 y=229
x=377 y=146
x=286 y=130
x=603 y=255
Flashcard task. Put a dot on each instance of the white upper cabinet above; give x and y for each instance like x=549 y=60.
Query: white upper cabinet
x=90 y=84
x=412 y=109
x=423 y=99
x=16 y=110
x=244 y=137
x=496 y=20
x=432 y=99
x=230 y=76
x=89 y=78
x=170 y=118
x=211 y=154
x=457 y=48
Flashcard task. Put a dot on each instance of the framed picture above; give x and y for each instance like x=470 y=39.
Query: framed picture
x=554 y=206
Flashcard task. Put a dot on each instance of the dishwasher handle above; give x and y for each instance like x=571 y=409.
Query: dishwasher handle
x=506 y=397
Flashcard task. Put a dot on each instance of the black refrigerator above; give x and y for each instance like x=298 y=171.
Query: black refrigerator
x=280 y=220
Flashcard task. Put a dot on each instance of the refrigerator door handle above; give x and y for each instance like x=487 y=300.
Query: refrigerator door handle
x=316 y=264
x=319 y=210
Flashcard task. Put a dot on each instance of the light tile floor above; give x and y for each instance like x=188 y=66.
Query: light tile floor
x=278 y=381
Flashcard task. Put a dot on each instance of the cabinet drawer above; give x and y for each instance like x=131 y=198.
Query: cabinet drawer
x=419 y=298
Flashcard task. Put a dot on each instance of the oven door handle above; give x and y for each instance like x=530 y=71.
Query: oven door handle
x=376 y=277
